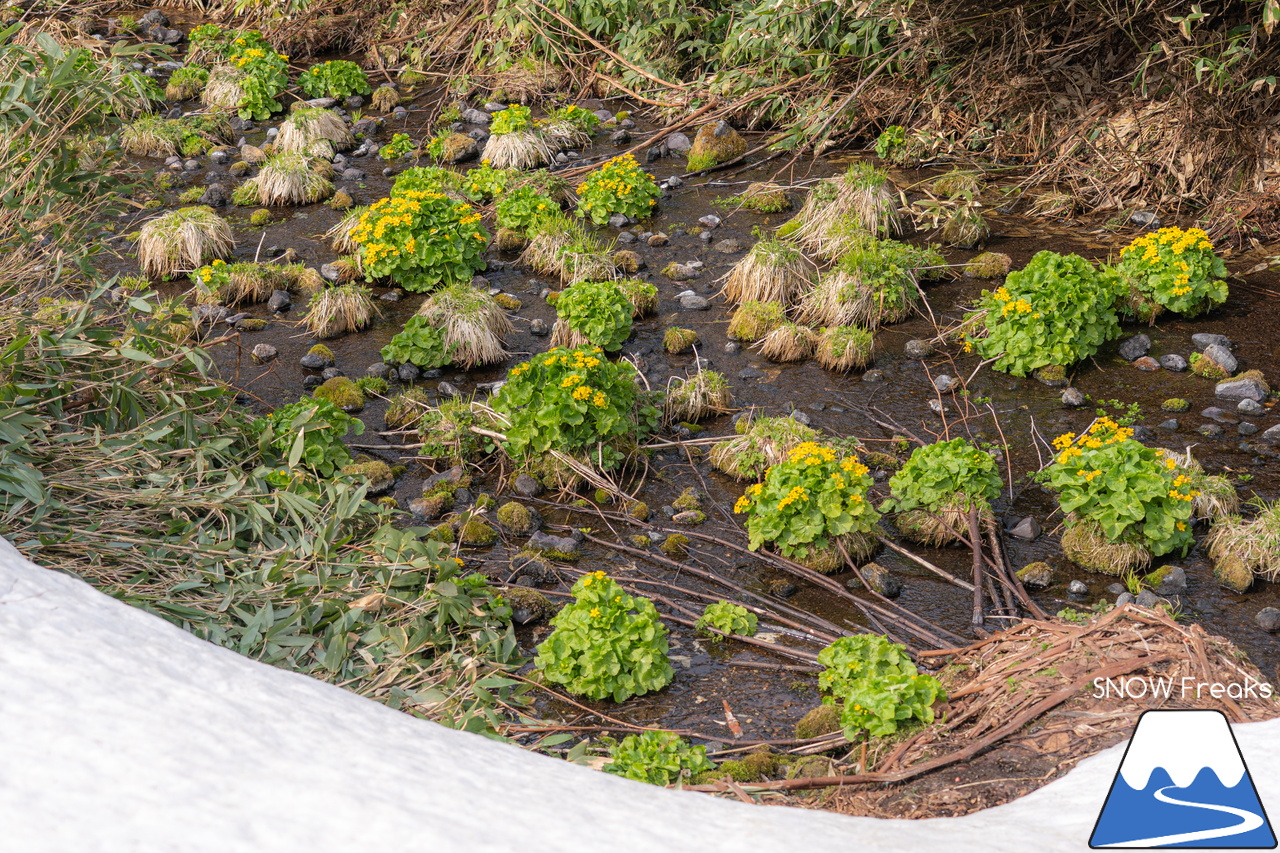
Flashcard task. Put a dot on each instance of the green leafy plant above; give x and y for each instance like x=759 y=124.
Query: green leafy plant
x=597 y=310
x=421 y=239
x=659 y=758
x=572 y=401
x=524 y=207
x=306 y=434
x=338 y=78
x=807 y=500
x=606 y=644
x=584 y=120
x=890 y=140
x=877 y=684
x=1172 y=270
x=485 y=182
x=419 y=343
x=1135 y=494
x=514 y=118
x=265 y=75
x=619 y=186
x=401 y=145
x=1055 y=311
x=727 y=618
x=952 y=474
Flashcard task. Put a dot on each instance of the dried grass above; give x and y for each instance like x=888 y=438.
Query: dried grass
x=762 y=444
x=521 y=149
x=1084 y=544
x=527 y=81
x=339 y=236
x=473 y=324
x=690 y=400
x=1253 y=546
x=151 y=136
x=789 y=342
x=863 y=195
x=341 y=309
x=564 y=247
x=772 y=271
x=223 y=91
x=182 y=240
x=315 y=133
x=845 y=348
x=291 y=178
x=946 y=524
x=564 y=335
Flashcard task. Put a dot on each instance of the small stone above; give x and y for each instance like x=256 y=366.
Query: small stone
x=1171 y=425
x=1173 y=362
x=1115 y=588
x=918 y=348
x=1073 y=398
x=1247 y=428
x=1146 y=364
x=1249 y=406
x=331 y=373
x=1222 y=357
x=620 y=137
x=353 y=102
x=873 y=375
x=1038 y=575
x=749 y=373
x=1028 y=530
x=945 y=384
x=408 y=372
x=626 y=237
x=731 y=246
x=218 y=156
x=1213 y=413
x=1145 y=219
x=479 y=117
x=1272 y=435
x=538 y=327
x=1203 y=340
x=380 y=370
x=693 y=302
x=674 y=182
x=618 y=220
x=353 y=175
x=1134 y=348
x=314 y=361
x=1147 y=598
x=680 y=272
x=564 y=547
x=329 y=272
x=526 y=487
x=191 y=165
x=1211 y=431
x=280 y=300
x=938 y=408
x=1268 y=619
x=448 y=389
x=657 y=240
x=1172 y=581
x=263 y=353
x=1125 y=598
x=1077 y=588
x=710 y=220
x=391 y=296
x=879 y=579
x=731 y=347
x=678 y=143
x=215 y=195
x=801 y=417
x=706 y=237
x=1242 y=389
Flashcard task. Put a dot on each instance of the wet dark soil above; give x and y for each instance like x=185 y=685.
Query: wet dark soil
x=768 y=702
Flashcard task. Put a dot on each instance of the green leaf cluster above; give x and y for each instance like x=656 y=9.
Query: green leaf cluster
x=659 y=758
x=524 y=207
x=307 y=434
x=400 y=145
x=727 y=618
x=598 y=310
x=946 y=474
x=878 y=685
x=1176 y=270
x=485 y=182
x=264 y=75
x=1055 y=311
x=807 y=500
x=514 y=118
x=573 y=401
x=339 y=78
x=890 y=140
x=618 y=186
x=419 y=343
x=606 y=644
x=582 y=119
x=421 y=239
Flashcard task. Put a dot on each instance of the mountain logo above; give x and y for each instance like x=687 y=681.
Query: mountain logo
x=1183 y=783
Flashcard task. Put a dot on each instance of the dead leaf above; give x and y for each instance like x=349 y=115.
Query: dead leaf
x=731 y=720
x=372 y=602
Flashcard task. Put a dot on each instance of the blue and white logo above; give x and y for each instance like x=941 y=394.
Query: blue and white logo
x=1183 y=783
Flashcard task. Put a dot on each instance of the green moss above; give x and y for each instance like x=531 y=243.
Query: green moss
x=341 y=201
x=477 y=533
x=810 y=767
x=260 y=217
x=509 y=240
x=675 y=546
x=485 y=501
x=627 y=261
x=714 y=144
x=375 y=472
x=823 y=560
x=603 y=496
x=508 y=302
x=638 y=510
x=528 y=605
x=988 y=265
x=190 y=195
x=245 y=195
x=753 y=320
x=239 y=169
x=373 y=385
x=515 y=518
x=1037 y=575
x=1233 y=573
x=252 y=324
x=1206 y=367
x=755 y=767
x=765 y=198
x=342 y=392
x=322 y=351
x=1176 y=405
x=1052 y=374
x=407 y=409
x=442 y=533
x=822 y=720
x=678 y=340
x=640 y=541
x=688 y=500
x=883 y=461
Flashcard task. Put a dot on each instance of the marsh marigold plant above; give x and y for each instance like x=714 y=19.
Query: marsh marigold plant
x=421 y=239
x=807 y=500
x=1173 y=270
x=619 y=186
x=1132 y=492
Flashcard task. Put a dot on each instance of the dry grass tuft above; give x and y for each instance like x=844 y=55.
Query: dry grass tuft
x=339 y=310
x=151 y=136
x=761 y=444
x=845 y=348
x=473 y=324
x=339 y=236
x=315 y=133
x=291 y=178
x=564 y=335
x=691 y=400
x=565 y=247
x=223 y=91
x=948 y=524
x=520 y=149
x=1241 y=549
x=1084 y=544
x=772 y=271
x=862 y=195
x=182 y=240
x=789 y=342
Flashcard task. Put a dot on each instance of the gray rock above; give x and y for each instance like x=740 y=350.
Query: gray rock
x=626 y=237
x=1134 y=348
x=273 y=132
x=207 y=315
x=1241 y=389
x=1211 y=431
x=1146 y=363
x=945 y=384
x=657 y=240
x=1171 y=424
x=1125 y=598
x=1213 y=413
x=1147 y=598
x=674 y=182
x=391 y=296
x=215 y=195
x=322 y=103
x=218 y=157
x=538 y=327
x=1145 y=219
x=730 y=246
x=312 y=382
x=620 y=137
x=680 y=272
x=1077 y=588
x=1203 y=340
x=1115 y=588
x=731 y=347
x=494 y=107
x=263 y=353
x=706 y=237
x=1249 y=406
x=693 y=302
x=879 y=579
x=710 y=220
x=801 y=417
x=329 y=272
x=1073 y=398
x=408 y=372
x=236 y=318
x=678 y=143
x=544 y=542
x=1272 y=435
x=1173 y=581
x=1222 y=357
x=938 y=408
x=280 y=300
x=618 y=220
x=477 y=117
x=1036 y=575
x=749 y=373
x=448 y=389
x=332 y=373
x=1268 y=619
x=353 y=174
x=1173 y=362
x=313 y=361
x=191 y=165
x=152 y=18
x=380 y=370
x=526 y=487
x=353 y=102
x=1247 y=428
x=873 y=375
x=1028 y=529
x=918 y=348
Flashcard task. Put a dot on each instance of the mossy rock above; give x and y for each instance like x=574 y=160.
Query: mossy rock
x=1233 y=573
x=477 y=533
x=715 y=144
x=988 y=265
x=1053 y=375
x=628 y=261
x=252 y=324
x=375 y=472
x=754 y=320
x=689 y=499
x=342 y=392
x=240 y=168
x=1037 y=575
x=677 y=340
x=639 y=510
x=443 y=533
x=458 y=148
x=1176 y=405
x=507 y=302
x=517 y=519
x=639 y=540
x=485 y=501
x=675 y=546
x=341 y=200
x=811 y=767
x=509 y=240
x=532 y=565
x=826 y=561
x=528 y=605
x=883 y=461
x=322 y=351
x=1202 y=365
x=822 y=720
x=754 y=767
x=765 y=198
x=260 y=217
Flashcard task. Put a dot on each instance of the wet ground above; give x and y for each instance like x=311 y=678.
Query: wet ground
x=768 y=702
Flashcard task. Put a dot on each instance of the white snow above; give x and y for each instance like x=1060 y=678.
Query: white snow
x=120 y=732
x=1183 y=743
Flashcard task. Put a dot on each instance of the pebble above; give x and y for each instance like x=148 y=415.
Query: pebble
x=494 y=107
x=353 y=102
x=945 y=384
x=236 y=318
x=273 y=132
x=1146 y=364
x=730 y=246
x=312 y=381
x=1147 y=598
x=1213 y=413
x=918 y=348
x=1077 y=588
x=1173 y=362
x=1241 y=389
x=873 y=375
x=1211 y=431
x=1222 y=357
x=478 y=117
x=380 y=370
x=731 y=347
x=1145 y=219
x=1125 y=598
x=618 y=220
x=1174 y=581
x=408 y=372
x=1204 y=340
x=938 y=408
x=1272 y=435
x=657 y=240
x=332 y=373
x=1249 y=406
x=312 y=361
x=674 y=182
x=280 y=300
x=1115 y=588
x=264 y=352
x=706 y=237
x=1246 y=428
x=626 y=237
x=620 y=137
x=1268 y=619
x=1073 y=398
x=801 y=417
x=448 y=389
x=749 y=373
x=214 y=196
x=693 y=302
x=526 y=487
x=1028 y=530
x=538 y=327
x=218 y=157
x=391 y=296
x=1171 y=425
x=353 y=174
x=710 y=220
x=1134 y=348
